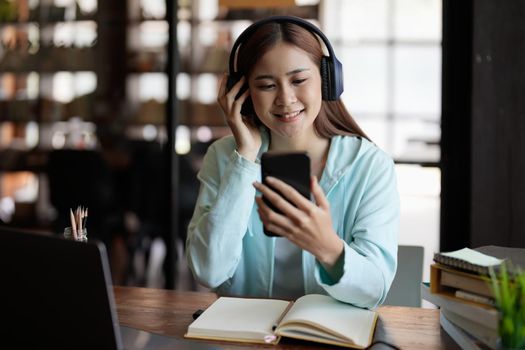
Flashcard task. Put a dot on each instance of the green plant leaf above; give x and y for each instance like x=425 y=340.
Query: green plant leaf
x=508 y=287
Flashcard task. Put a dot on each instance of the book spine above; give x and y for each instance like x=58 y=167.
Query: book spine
x=445 y=280
x=464 y=340
x=487 y=336
x=482 y=314
x=461 y=294
x=467 y=282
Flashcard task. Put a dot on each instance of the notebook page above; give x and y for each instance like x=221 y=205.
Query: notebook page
x=238 y=318
x=346 y=320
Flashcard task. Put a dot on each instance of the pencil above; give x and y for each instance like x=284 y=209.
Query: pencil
x=276 y=324
x=73 y=224
x=79 y=221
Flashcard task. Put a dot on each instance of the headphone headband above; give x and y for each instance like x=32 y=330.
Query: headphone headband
x=330 y=67
x=276 y=19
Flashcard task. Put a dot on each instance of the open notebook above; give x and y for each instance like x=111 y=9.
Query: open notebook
x=57 y=294
x=312 y=317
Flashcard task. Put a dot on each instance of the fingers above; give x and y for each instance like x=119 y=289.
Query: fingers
x=290 y=202
x=289 y=193
x=235 y=88
x=274 y=221
x=319 y=195
x=226 y=99
x=278 y=200
x=292 y=218
x=237 y=104
x=222 y=86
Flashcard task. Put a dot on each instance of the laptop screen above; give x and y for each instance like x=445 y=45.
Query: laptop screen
x=56 y=292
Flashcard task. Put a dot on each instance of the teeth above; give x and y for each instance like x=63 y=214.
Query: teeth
x=289 y=115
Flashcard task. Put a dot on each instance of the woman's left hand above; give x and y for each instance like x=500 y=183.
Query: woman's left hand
x=307 y=224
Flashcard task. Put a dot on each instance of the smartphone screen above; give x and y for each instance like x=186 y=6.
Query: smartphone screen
x=292 y=168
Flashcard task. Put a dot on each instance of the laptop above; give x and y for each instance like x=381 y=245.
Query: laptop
x=57 y=293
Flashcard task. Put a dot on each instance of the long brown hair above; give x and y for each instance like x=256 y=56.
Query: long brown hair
x=333 y=119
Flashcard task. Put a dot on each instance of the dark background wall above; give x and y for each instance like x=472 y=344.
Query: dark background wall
x=483 y=124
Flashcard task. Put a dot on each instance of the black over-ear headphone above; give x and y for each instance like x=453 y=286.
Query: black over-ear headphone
x=331 y=68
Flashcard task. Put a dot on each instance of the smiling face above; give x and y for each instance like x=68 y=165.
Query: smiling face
x=285 y=86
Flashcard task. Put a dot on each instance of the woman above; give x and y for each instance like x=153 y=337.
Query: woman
x=344 y=243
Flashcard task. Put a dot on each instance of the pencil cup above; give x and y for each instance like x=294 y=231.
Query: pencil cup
x=81 y=236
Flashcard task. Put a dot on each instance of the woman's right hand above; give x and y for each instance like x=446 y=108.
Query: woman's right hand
x=246 y=134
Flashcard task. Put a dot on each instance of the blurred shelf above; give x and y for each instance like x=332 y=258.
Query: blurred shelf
x=43 y=21
x=50 y=60
x=32 y=160
x=307 y=11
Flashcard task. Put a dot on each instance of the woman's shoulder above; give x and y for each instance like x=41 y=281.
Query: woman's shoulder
x=356 y=148
x=223 y=146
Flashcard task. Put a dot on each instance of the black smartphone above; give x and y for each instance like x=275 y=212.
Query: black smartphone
x=292 y=168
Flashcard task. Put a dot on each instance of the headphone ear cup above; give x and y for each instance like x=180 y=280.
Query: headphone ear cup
x=337 y=78
x=247 y=107
x=332 y=78
x=232 y=80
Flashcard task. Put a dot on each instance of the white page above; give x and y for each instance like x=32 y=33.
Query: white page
x=346 y=320
x=231 y=317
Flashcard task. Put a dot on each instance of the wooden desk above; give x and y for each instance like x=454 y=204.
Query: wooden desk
x=170 y=312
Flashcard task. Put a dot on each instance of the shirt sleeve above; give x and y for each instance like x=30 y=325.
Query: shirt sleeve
x=221 y=216
x=370 y=245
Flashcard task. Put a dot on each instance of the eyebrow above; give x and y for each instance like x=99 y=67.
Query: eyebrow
x=295 y=71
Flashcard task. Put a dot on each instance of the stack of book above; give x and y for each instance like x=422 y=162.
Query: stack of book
x=460 y=286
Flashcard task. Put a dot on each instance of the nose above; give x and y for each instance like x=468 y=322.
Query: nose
x=285 y=96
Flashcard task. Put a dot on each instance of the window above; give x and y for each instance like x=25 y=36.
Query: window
x=391 y=56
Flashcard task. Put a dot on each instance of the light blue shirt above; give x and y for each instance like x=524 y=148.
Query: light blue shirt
x=227 y=250
x=287 y=270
